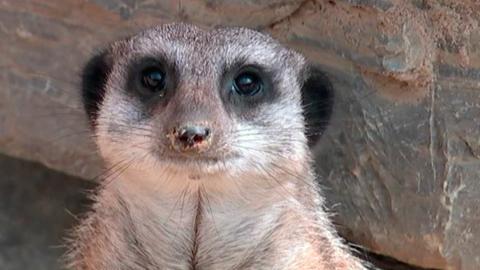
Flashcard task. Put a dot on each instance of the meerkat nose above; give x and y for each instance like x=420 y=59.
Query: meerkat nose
x=191 y=138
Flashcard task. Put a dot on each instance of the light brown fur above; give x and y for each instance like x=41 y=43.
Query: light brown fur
x=255 y=207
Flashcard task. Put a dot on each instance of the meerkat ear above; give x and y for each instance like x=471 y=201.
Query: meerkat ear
x=94 y=79
x=317 y=101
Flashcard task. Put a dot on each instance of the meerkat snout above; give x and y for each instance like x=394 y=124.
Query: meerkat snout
x=190 y=138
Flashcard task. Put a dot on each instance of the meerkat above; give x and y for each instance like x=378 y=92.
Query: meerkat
x=205 y=133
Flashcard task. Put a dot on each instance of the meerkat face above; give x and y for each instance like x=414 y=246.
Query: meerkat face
x=178 y=97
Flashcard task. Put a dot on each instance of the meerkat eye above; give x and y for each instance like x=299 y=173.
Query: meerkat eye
x=153 y=79
x=247 y=83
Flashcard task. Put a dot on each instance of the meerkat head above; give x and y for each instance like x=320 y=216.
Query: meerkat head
x=186 y=99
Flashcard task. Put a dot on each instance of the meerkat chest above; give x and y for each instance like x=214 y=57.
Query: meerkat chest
x=202 y=234
x=228 y=238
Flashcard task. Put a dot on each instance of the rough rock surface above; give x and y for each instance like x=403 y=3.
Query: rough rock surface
x=400 y=160
x=37 y=208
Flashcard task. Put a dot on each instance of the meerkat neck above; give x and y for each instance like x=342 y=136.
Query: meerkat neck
x=197 y=220
x=181 y=223
x=224 y=190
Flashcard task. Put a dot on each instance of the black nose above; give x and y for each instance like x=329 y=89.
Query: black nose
x=191 y=137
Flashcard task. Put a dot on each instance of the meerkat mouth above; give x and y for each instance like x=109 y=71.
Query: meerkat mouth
x=199 y=165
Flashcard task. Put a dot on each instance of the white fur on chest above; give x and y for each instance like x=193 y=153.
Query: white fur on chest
x=183 y=222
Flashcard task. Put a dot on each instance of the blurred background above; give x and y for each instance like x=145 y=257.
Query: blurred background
x=399 y=162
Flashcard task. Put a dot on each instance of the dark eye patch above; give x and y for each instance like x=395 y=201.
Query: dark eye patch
x=151 y=79
x=244 y=87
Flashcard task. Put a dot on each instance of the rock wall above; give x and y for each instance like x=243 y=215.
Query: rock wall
x=32 y=231
x=400 y=160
